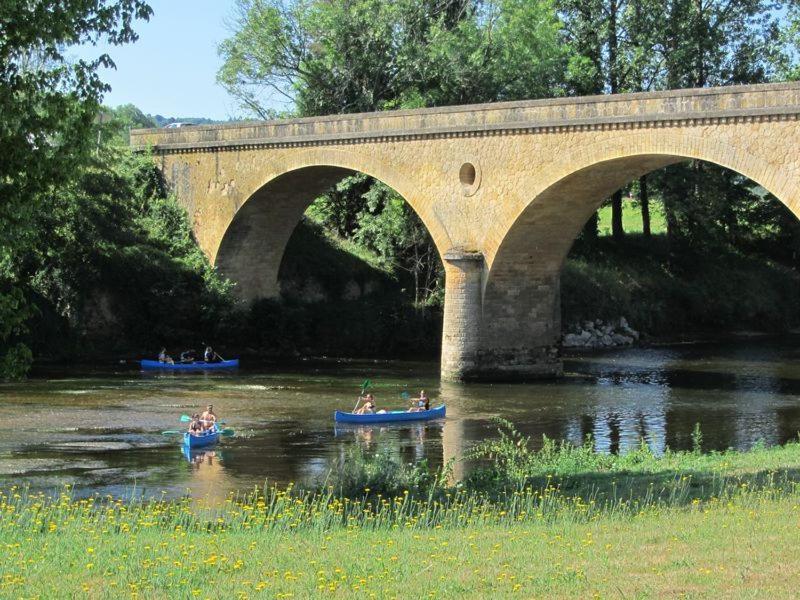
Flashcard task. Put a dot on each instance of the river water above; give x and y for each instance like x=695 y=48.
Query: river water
x=100 y=431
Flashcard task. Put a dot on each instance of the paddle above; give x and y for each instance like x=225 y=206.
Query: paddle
x=187 y=418
x=227 y=432
x=216 y=355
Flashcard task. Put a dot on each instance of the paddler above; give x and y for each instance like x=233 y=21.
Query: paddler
x=420 y=404
x=369 y=406
x=208 y=418
x=195 y=426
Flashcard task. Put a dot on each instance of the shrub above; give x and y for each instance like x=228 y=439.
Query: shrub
x=361 y=474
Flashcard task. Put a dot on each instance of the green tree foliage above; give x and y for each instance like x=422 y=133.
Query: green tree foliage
x=115 y=259
x=364 y=55
x=376 y=218
x=710 y=43
x=789 y=69
x=396 y=234
x=613 y=46
x=121 y=120
x=47 y=106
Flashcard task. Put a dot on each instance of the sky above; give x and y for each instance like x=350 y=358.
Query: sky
x=171 y=70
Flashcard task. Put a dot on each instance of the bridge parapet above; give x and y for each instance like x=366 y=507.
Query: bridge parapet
x=620 y=111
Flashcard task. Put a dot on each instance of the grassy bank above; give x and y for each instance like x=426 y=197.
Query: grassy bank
x=665 y=288
x=721 y=524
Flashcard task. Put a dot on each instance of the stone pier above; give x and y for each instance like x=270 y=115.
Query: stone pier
x=461 y=336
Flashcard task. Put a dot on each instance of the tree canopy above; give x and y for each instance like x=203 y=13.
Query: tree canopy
x=48 y=105
x=363 y=55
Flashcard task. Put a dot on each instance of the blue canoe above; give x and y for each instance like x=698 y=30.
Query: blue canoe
x=201 y=440
x=390 y=416
x=195 y=366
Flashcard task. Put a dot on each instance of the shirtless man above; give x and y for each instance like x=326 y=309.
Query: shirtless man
x=208 y=418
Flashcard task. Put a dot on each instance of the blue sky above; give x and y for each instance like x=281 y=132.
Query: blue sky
x=172 y=69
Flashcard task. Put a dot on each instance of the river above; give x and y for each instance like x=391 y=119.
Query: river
x=99 y=431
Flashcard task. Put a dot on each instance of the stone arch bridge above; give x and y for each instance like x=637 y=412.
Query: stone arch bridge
x=503 y=189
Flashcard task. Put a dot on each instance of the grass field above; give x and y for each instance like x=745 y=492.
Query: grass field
x=741 y=548
x=716 y=525
x=632 y=218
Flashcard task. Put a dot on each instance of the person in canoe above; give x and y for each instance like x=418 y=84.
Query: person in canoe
x=195 y=426
x=210 y=356
x=188 y=356
x=369 y=405
x=163 y=357
x=420 y=404
x=208 y=419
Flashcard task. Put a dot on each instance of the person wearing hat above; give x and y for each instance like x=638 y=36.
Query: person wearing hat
x=208 y=418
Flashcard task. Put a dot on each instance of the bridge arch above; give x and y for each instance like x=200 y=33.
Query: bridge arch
x=252 y=247
x=521 y=312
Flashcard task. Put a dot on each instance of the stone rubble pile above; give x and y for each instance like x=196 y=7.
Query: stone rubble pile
x=597 y=334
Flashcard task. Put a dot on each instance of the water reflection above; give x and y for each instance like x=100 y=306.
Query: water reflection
x=101 y=431
x=411 y=441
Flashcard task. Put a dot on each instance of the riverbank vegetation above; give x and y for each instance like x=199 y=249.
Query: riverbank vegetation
x=672 y=289
x=665 y=525
x=98 y=260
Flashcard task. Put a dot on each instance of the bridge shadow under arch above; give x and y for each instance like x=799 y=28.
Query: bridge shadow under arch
x=253 y=246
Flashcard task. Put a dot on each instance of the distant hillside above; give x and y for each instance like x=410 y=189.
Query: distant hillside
x=132 y=117
x=162 y=121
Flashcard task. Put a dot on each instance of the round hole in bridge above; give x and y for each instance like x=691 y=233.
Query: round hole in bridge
x=467 y=174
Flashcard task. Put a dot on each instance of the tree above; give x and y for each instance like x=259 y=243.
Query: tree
x=644 y=203
x=711 y=43
x=613 y=51
x=47 y=106
x=339 y=57
x=638 y=45
x=122 y=119
x=391 y=229
x=110 y=236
